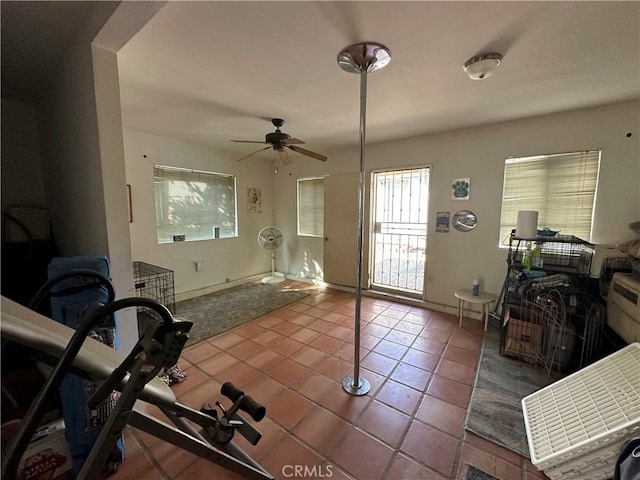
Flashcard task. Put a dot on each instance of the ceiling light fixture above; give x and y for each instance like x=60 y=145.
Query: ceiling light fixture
x=482 y=66
x=361 y=58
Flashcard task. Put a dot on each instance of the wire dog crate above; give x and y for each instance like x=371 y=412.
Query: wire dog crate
x=156 y=283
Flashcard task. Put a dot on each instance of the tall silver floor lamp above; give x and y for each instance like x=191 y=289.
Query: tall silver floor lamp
x=361 y=58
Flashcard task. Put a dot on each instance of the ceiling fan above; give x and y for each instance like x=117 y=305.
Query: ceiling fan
x=280 y=142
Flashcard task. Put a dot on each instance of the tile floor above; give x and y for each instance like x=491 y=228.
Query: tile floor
x=421 y=368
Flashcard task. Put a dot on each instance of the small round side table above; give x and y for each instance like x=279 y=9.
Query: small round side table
x=484 y=299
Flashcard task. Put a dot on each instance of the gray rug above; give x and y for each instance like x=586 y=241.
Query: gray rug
x=474 y=473
x=495 y=411
x=221 y=311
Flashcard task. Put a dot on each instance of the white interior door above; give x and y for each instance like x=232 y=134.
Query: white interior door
x=340 y=231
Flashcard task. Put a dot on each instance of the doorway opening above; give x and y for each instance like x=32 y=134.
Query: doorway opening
x=400 y=201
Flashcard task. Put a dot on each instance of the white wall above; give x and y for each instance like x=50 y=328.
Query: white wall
x=225 y=259
x=21 y=169
x=455 y=258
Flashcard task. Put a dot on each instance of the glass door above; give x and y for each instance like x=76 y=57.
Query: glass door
x=400 y=201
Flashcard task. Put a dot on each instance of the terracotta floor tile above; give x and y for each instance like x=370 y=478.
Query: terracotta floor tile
x=200 y=352
x=289 y=408
x=249 y=330
x=456 y=371
x=385 y=321
x=265 y=391
x=375 y=330
x=343 y=404
x=403 y=338
x=464 y=339
x=288 y=373
x=268 y=337
x=341 y=333
x=326 y=343
x=195 y=377
x=425 y=361
x=271 y=432
x=399 y=396
x=461 y=355
x=450 y=391
x=265 y=360
x=362 y=456
x=288 y=453
x=334 y=317
x=203 y=469
x=379 y=363
x=294 y=361
x=442 y=415
x=409 y=327
x=412 y=376
x=245 y=350
x=478 y=458
x=332 y=367
x=308 y=356
x=428 y=345
x=137 y=464
x=171 y=460
x=384 y=422
x=285 y=313
x=403 y=468
x=316 y=386
x=302 y=319
x=322 y=430
x=390 y=349
x=431 y=447
x=286 y=346
x=226 y=340
x=435 y=334
x=206 y=392
x=217 y=364
x=305 y=335
x=241 y=375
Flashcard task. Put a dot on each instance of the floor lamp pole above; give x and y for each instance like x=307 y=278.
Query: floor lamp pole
x=361 y=58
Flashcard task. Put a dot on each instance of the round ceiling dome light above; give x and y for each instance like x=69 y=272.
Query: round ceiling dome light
x=482 y=66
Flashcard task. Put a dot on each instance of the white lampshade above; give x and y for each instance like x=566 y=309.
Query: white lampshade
x=482 y=66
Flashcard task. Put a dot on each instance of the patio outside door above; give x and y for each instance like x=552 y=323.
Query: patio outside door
x=400 y=201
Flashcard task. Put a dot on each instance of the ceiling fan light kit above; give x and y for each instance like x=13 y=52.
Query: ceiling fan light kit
x=361 y=58
x=482 y=66
x=281 y=142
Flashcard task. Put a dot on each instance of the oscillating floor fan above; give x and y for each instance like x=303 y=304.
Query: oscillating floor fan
x=270 y=238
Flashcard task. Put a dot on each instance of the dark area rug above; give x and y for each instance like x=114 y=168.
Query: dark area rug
x=495 y=411
x=474 y=473
x=221 y=311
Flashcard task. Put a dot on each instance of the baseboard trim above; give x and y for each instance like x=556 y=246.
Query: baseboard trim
x=218 y=287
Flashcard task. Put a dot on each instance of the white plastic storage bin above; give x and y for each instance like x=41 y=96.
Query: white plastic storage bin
x=577 y=425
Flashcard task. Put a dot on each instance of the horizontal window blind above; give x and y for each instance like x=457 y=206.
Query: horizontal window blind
x=560 y=187
x=311 y=206
x=197 y=204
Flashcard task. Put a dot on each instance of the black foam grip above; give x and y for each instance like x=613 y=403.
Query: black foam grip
x=253 y=408
x=230 y=391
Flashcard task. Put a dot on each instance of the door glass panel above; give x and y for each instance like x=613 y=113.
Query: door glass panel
x=400 y=202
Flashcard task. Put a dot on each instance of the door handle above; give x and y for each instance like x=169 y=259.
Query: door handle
x=326 y=239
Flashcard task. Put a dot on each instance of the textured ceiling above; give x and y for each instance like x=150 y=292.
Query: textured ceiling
x=208 y=72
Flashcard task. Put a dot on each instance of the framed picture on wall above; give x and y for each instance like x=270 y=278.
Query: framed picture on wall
x=460 y=188
x=254 y=200
x=442 y=222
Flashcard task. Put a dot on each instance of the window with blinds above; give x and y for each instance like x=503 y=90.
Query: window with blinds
x=199 y=205
x=560 y=187
x=311 y=207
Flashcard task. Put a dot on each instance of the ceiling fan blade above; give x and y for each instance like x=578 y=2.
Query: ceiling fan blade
x=283 y=155
x=253 y=153
x=293 y=141
x=248 y=141
x=308 y=153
